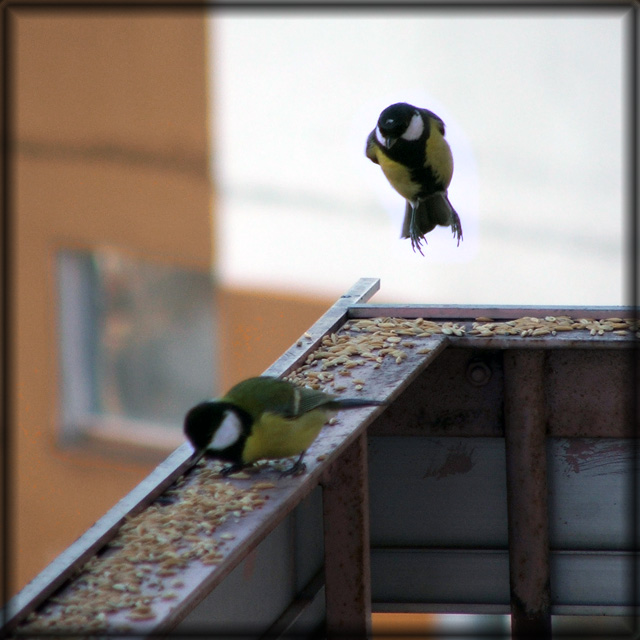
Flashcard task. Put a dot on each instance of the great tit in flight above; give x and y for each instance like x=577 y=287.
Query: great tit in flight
x=409 y=145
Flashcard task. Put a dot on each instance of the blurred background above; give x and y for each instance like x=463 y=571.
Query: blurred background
x=533 y=105
x=190 y=193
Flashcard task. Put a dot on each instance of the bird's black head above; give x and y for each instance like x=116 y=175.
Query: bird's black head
x=395 y=119
x=219 y=427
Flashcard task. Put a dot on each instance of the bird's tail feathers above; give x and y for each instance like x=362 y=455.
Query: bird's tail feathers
x=422 y=217
x=354 y=403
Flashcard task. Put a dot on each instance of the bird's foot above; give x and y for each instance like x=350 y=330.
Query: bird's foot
x=231 y=468
x=416 y=241
x=297 y=468
x=456 y=227
x=415 y=235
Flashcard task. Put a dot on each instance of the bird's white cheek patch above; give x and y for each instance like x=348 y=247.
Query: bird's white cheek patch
x=380 y=138
x=228 y=432
x=415 y=128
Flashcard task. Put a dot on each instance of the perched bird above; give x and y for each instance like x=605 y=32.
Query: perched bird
x=408 y=143
x=263 y=418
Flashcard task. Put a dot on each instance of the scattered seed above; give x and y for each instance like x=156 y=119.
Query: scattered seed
x=138 y=616
x=541 y=331
x=239 y=475
x=260 y=486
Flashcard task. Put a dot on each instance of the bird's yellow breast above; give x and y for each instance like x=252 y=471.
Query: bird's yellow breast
x=273 y=436
x=438 y=157
x=399 y=177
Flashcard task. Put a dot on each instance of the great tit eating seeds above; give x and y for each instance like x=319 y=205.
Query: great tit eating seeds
x=263 y=418
x=408 y=143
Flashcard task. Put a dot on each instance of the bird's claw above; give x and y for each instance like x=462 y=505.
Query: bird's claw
x=297 y=468
x=416 y=237
x=229 y=469
x=456 y=227
x=416 y=244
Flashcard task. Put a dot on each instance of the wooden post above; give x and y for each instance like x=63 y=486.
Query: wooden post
x=525 y=439
x=346 y=544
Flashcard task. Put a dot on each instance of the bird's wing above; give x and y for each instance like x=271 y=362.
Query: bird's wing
x=438 y=121
x=264 y=393
x=310 y=399
x=371 y=148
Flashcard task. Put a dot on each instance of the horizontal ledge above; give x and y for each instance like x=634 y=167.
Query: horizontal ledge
x=464 y=551
x=496 y=609
x=444 y=607
x=471 y=312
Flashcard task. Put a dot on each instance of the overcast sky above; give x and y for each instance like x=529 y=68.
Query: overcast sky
x=533 y=105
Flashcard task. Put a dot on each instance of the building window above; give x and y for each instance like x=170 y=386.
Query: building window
x=137 y=349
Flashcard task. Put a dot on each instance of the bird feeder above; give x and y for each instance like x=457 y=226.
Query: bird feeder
x=499 y=478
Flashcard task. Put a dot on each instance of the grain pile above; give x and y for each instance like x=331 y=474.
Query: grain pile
x=551 y=325
x=139 y=565
x=334 y=365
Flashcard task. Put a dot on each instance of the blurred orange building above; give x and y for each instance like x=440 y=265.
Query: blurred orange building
x=110 y=149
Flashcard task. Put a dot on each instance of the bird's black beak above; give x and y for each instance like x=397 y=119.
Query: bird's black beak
x=196 y=456
x=389 y=142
